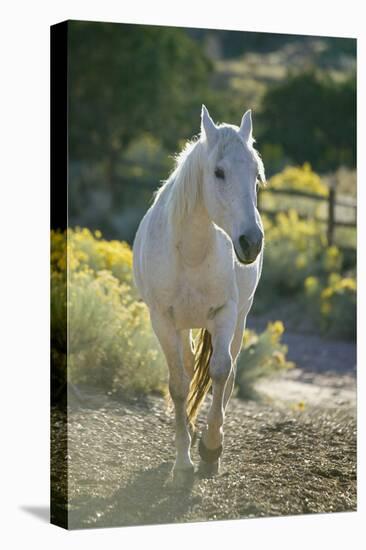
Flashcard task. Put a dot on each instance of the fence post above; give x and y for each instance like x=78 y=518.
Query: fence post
x=331 y=214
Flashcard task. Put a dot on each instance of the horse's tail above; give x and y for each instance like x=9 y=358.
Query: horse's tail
x=201 y=380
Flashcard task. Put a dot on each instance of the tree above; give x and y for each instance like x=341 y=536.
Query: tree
x=126 y=80
x=313 y=119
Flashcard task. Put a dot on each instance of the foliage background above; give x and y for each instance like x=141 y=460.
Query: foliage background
x=135 y=94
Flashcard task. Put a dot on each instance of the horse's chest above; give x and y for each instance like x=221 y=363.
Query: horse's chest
x=195 y=301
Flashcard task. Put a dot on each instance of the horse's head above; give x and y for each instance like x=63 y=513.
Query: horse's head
x=231 y=171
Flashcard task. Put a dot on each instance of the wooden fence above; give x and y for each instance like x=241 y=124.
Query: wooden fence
x=332 y=202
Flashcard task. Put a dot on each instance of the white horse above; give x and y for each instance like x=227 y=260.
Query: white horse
x=197 y=262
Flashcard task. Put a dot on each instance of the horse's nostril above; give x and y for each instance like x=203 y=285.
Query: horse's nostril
x=250 y=248
x=244 y=243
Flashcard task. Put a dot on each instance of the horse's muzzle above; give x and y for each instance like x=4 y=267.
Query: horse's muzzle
x=248 y=247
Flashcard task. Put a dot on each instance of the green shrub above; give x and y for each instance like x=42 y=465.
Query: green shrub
x=300 y=178
x=80 y=249
x=294 y=250
x=333 y=304
x=110 y=340
x=262 y=355
x=299 y=268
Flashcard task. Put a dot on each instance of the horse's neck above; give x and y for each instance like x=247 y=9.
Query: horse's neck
x=195 y=237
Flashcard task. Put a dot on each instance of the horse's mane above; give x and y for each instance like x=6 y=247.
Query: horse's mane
x=182 y=188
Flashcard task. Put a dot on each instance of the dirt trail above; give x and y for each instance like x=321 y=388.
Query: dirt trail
x=281 y=457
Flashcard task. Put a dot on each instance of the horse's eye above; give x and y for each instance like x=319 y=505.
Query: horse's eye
x=220 y=174
x=257 y=187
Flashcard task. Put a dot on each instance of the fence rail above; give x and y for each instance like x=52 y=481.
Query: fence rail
x=331 y=200
x=347 y=202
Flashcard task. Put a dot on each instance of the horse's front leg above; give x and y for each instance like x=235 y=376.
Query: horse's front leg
x=179 y=380
x=221 y=367
x=235 y=350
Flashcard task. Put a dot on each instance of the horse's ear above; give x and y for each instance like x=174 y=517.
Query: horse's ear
x=208 y=127
x=246 y=127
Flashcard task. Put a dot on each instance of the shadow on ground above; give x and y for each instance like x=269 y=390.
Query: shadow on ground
x=277 y=461
x=150 y=498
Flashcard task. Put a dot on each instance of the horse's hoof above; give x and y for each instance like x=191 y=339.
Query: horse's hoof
x=208 y=469
x=183 y=478
x=209 y=455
